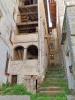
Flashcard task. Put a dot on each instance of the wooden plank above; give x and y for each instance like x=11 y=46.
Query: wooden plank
x=29 y=23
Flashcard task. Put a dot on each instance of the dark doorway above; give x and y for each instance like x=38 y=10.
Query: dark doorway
x=36 y=85
x=29 y=2
x=32 y=52
x=14 y=79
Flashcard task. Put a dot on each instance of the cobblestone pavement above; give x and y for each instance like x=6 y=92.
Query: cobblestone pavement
x=14 y=98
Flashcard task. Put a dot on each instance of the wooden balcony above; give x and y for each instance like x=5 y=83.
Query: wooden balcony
x=26 y=67
x=27 y=20
x=28 y=8
x=27 y=27
x=27 y=17
x=25 y=38
x=27 y=2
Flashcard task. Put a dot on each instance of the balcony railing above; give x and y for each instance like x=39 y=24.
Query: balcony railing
x=27 y=17
x=27 y=67
x=28 y=8
x=27 y=2
x=27 y=27
x=25 y=38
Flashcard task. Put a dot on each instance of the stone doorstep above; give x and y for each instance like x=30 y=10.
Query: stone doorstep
x=14 y=97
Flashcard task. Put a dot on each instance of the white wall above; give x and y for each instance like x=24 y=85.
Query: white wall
x=43 y=48
x=6 y=25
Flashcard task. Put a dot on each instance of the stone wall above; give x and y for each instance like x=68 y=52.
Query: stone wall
x=6 y=25
x=43 y=47
x=71 y=21
x=69 y=44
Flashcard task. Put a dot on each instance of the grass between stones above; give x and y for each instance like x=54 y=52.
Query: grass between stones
x=21 y=90
x=54 y=78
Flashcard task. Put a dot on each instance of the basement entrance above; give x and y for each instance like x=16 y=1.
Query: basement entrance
x=14 y=79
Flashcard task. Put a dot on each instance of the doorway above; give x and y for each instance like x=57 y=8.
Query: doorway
x=14 y=79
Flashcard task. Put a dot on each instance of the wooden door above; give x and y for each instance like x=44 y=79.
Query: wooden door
x=14 y=79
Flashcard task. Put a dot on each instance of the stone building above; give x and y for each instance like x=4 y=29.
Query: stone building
x=34 y=35
x=29 y=54
x=33 y=42
x=69 y=43
x=6 y=29
x=66 y=17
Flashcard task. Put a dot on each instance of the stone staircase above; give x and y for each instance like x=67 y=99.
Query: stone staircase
x=55 y=81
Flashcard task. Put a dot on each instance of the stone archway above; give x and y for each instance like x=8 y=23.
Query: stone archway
x=19 y=53
x=32 y=52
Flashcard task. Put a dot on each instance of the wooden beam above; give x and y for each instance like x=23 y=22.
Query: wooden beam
x=28 y=6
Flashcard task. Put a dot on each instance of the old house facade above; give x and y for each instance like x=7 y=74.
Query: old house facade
x=36 y=36
x=29 y=54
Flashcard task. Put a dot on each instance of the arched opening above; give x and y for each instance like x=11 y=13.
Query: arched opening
x=32 y=52
x=18 y=53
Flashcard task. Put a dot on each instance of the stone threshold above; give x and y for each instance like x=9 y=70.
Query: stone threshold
x=14 y=97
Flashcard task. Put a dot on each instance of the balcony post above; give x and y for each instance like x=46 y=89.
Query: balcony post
x=25 y=53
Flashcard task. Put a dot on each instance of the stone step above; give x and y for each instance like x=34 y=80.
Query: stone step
x=55 y=76
x=55 y=70
x=49 y=88
x=52 y=73
x=49 y=66
x=54 y=80
x=54 y=83
x=56 y=73
x=53 y=93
